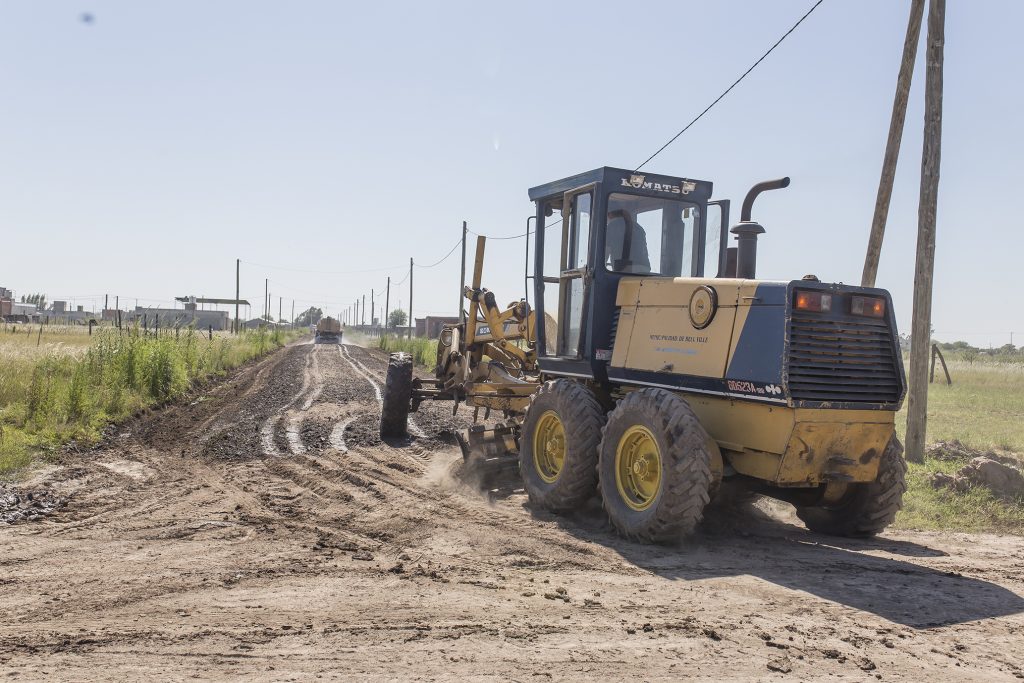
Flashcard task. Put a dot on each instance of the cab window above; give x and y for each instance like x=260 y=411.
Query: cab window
x=651 y=236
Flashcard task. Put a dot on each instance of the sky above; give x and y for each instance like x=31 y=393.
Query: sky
x=326 y=143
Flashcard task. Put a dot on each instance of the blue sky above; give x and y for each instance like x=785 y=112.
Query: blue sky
x=142 y=153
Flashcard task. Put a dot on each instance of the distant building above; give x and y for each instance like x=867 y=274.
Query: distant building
x=6 y=302
x=22 y=309
x=177 y=317
x=430 y=327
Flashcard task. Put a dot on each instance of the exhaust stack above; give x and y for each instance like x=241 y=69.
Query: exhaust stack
x=746 y=230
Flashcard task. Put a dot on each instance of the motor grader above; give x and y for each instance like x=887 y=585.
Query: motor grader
x=653 y=368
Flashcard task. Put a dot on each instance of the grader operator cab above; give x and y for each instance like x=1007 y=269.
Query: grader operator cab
x=654 y=367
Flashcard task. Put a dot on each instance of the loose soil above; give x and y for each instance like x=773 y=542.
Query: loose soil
x=264 y=531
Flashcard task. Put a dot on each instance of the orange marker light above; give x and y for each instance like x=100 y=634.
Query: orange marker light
x=813 y=301
x=869 y=306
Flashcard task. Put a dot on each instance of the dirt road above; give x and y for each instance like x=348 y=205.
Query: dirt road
x=263 y=531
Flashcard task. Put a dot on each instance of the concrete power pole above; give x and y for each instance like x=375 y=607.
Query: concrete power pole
x=387 y=304
x=362 y=318
x=238 y=283
x=412 y=323
x=266 y=298
x=373 y=307
x=920 y=339
x=293 y=313
x=892 y=145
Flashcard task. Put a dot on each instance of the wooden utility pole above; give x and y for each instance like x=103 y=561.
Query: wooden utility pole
x=238 y=291
x=920 y=333
x=412 y=324
x=892 y=145
x=387 y=305
x=462 y=278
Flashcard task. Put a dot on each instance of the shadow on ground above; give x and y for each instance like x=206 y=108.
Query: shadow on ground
x=750 y=542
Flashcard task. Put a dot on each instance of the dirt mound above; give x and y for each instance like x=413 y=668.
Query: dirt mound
x=1004 y=480
x=955 y=450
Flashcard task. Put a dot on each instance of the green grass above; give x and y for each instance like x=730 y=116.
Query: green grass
x=53 y=392
x=984 y=410
x=423 y=351
x=925 y=507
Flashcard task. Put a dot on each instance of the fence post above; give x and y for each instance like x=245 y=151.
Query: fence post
x=211 y=332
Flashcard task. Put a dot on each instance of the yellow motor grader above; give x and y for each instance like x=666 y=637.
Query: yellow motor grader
x=653 y=366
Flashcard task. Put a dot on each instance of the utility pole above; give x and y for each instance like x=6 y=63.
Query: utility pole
x=373 y=307
x=462 y=277
x=362 y=319
x=412 y=323
x=293 y=313
x=387 y=305
x=279 y=301
x=266 y=297
x=892 y=145
x=924 y=270
x=238 y=295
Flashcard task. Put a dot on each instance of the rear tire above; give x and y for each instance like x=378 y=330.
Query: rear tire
x=655 y=467
x=559 y=465
x=867 y=509
x=394 y=413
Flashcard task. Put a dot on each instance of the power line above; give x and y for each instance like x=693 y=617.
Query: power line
x=557 y=221
x=445 y=257
x=735 y=83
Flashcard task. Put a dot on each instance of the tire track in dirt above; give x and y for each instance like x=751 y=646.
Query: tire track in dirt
x=276 y=440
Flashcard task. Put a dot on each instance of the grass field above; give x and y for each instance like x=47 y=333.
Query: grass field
x=984 y=410
x=64 y=384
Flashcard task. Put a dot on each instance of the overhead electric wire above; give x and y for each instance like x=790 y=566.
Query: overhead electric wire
x=515 y=237
x=734 y=84
x=445 y=257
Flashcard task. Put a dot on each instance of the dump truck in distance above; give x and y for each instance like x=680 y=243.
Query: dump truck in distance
x=328 y=331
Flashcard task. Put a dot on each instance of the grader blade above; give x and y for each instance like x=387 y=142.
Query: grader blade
x=489 y=454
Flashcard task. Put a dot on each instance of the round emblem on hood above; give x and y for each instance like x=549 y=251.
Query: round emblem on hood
x=703 y=304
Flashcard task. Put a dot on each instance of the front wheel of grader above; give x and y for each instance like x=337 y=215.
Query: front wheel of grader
x=394 y=414
x=558 y=446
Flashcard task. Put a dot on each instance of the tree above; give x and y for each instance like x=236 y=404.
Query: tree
x=311 y=316
x=397 y=318
x=38 y=299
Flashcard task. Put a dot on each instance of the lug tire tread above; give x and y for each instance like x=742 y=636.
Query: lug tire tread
x=394 y=411
x=873 y=507
x=687 y=477
x=582 y=419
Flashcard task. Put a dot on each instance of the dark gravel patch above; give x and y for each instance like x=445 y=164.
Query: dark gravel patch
x=23 y=505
